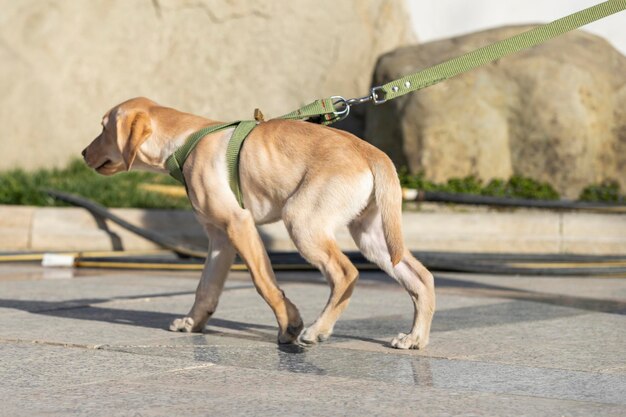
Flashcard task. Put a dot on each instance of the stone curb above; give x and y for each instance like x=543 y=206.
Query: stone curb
x=25 y=228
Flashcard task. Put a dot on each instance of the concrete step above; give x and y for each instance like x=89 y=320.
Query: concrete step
x=434 y=228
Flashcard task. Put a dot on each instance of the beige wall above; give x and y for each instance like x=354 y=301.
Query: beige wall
x=63 y=63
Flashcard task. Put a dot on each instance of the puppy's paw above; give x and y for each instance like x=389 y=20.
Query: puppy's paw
x=310 y=336
x=291 y=334
x=406 y=341
x=185 y=324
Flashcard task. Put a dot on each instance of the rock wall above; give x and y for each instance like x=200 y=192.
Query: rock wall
x=63 y=63
x=556 y=113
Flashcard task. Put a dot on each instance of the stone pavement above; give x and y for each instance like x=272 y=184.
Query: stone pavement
x=93 y=343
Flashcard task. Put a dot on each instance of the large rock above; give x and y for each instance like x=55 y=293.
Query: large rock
x=556 y=113
x=63 y=63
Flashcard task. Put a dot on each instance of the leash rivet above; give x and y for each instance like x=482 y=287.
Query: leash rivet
x=395 y=88
x=407 y=84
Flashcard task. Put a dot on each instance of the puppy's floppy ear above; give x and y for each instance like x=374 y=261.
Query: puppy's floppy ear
x=134 y=129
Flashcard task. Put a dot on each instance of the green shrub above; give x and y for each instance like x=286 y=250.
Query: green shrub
x=121 y=190
x=497 y=188
x=516 y=186
x=416 y=181
x=467 y=185
x=523 y=187
x=607 y=191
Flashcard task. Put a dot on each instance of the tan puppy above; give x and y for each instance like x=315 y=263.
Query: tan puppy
x=314 y=178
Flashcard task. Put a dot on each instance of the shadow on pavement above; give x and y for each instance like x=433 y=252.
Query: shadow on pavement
x=560 y=300
x=522 y=306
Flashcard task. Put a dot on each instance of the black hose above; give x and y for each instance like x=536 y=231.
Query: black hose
x=491 y=263
x=516 y=264
x=454 y=262
x=442 y=197
x=505 y=264
x=101 y=211
x=518 y=257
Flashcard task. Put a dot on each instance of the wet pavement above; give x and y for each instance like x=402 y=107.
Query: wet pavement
x=94 y=343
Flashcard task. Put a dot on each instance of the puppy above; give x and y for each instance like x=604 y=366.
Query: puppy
x=313 y=178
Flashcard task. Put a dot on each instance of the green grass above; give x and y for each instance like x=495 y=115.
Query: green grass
x=607 y=192
x=516 y=186
x=121 y=190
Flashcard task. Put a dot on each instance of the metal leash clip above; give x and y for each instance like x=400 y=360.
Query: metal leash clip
x=377 y=96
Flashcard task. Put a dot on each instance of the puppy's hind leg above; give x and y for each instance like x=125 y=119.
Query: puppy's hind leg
x=311 y=216
x=323 y=252
x=420 y=284
x=219 y=260
x=367 y=231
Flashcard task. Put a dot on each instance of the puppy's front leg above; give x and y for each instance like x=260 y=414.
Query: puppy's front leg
x=245 y=237
x=219 y=260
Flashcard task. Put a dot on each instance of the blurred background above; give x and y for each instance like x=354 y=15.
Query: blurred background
x=556 y=114
x=439 y=19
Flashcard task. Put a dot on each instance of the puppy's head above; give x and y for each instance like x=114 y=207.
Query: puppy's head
x=124 y=129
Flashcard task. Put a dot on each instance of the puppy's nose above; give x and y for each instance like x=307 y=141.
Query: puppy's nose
x=84 y=153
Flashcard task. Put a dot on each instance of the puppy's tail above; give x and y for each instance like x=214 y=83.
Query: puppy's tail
x=388 y=195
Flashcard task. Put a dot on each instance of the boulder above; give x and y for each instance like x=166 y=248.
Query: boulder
x=64 y=63
x=556 y=113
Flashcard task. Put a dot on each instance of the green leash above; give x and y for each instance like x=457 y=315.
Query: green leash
x=330 y=110
x=484 y=55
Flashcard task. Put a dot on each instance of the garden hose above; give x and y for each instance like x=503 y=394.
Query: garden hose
x=96 y=209
x=505 y=264
x=38 y=256
x=193 y=258
x=460 y=198
x=410 y=194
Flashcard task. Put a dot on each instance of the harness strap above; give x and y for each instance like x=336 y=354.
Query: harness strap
x=240 y=134
x=323 y=110
x=175 y=162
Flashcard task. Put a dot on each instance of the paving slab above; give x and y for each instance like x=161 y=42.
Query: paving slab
x=233 y=391
x=95 y=343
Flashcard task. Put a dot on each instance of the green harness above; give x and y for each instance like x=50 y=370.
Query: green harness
x=175 y=162
x=329 y=110
x=322 y=110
